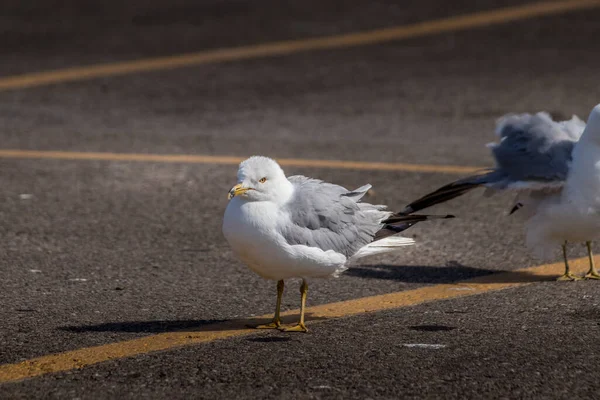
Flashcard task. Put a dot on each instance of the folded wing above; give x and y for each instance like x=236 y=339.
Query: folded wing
x=330 y=217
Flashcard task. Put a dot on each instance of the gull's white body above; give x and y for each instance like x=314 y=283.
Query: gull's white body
x=301 y=227
x=573 y=213
x=249 y=227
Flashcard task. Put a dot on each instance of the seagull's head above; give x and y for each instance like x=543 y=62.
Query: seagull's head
x=592 y=129
x=261 y=179
x=594 y=119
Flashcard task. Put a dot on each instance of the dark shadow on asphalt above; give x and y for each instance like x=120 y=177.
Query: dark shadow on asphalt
x=419 y=274
x=274 y=339
x=142 y=326
x=431 y=328
x=209 y=325
x=450 y=273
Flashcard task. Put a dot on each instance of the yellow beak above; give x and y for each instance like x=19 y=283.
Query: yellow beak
x=237 y=190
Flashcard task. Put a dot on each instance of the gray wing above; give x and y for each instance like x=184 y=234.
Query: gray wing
x=534 y=151
x=534 y=154
x=330 y=217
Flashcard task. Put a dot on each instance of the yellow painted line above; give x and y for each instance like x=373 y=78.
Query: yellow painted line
x=92 y=355
x=451 y=24
x=200 y=159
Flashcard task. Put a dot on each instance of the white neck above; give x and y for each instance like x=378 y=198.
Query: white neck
x=285 y=192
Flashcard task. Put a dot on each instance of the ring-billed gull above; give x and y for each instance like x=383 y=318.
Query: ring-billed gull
x=299 y=227
x=555 y=169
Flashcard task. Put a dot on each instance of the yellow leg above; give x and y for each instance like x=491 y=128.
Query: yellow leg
x=276 y=323
x=592 y=273
x=300 y=327
x=567 y=276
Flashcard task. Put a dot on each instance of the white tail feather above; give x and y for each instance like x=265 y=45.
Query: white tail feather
x=390 y=244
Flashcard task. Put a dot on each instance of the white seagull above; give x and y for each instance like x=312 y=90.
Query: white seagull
x=555 y=169
x=299 y=227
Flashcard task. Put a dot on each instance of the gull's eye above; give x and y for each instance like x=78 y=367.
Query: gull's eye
x=263 y=180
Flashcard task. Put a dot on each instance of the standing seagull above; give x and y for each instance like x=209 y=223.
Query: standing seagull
x=299 y=227
x=555 y=169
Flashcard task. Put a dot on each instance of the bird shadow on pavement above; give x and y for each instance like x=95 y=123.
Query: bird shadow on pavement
x=269 y=339
x=209 y=325
x=143 y=326
x=451 y=273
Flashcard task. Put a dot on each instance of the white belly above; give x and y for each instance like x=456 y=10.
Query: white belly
x=251 y=230
x=558 y=220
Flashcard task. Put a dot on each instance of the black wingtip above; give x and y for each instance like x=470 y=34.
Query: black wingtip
x=403 y=217
x=400 y=222
x=447 y=192
x=516 y=208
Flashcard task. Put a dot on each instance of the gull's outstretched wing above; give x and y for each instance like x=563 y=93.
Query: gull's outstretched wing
x=534 y=151
x=534 y=154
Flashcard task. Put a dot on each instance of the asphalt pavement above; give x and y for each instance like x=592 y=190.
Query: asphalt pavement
x=100 y=252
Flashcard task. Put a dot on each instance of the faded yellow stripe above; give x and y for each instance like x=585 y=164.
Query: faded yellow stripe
x=92 y=355
x=457 y=23
x=199 y=159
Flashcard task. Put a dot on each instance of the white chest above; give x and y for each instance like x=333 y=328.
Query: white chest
x=250 y=229
x=582 y=189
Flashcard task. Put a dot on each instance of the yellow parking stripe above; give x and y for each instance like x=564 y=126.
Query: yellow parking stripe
x=233 y=160
x=92 y=355
x=451 y=24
